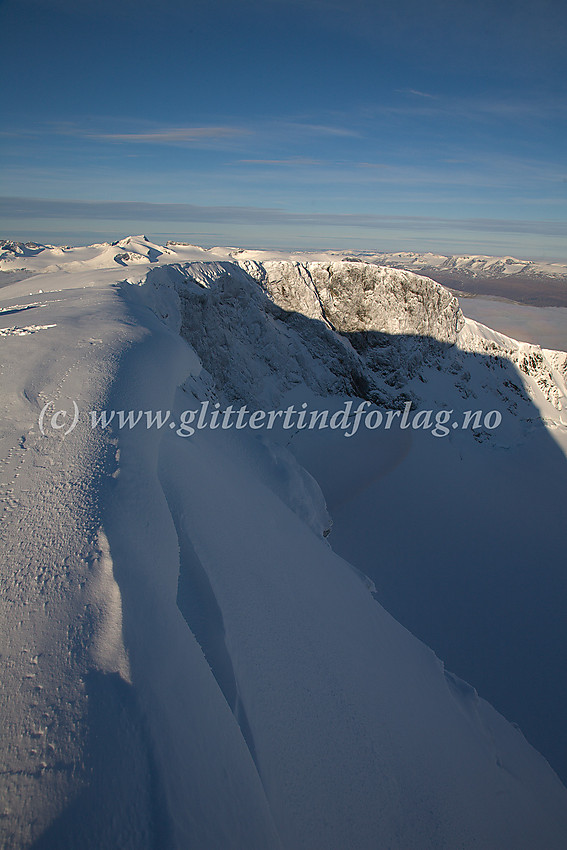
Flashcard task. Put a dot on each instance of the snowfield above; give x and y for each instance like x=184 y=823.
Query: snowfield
x=189 y=660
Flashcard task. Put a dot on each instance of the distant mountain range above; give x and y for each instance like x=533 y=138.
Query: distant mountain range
x=538 y=283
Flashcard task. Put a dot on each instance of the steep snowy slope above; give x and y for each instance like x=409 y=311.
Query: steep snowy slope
x=403 y=338
x=80 y=767
x=185 y=660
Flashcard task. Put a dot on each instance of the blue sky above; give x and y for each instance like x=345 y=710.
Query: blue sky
x=316 y=124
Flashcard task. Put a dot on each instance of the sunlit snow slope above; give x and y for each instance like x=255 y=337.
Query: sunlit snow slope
x=186 y=662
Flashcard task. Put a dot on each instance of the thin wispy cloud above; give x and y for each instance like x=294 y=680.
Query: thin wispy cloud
x=402 y=178
x=275 y=129
x=152 y=135
x=174 y=135
x=320 y=129
x=294 y=160
x=417 y=93
x=472 y=108
x=167 y=135
x=35 y=208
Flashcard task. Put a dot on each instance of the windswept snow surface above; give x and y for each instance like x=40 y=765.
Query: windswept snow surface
x=186 y=662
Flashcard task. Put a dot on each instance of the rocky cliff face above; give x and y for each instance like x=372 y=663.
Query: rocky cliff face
x=264 y=327
x=345 y=327
x=354 y=297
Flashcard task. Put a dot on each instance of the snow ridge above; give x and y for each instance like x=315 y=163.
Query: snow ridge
x=188 y=662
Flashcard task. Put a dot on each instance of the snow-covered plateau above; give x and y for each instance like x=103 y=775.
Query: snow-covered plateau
x=232 y=640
